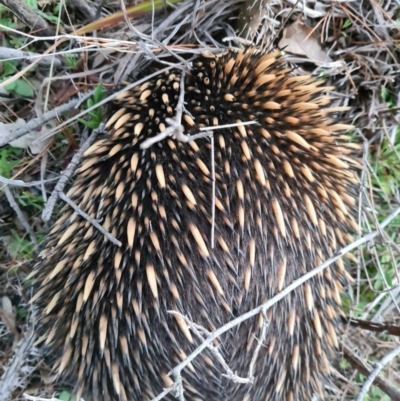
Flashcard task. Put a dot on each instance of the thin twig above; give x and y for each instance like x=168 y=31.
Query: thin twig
x=38 y=122
x=89 y=219
x=374 y=374
x=213 y=191
x=301 y=280
x=233 y=125
x=66 y=174
x=20 y=215
x=357 y=363
x=20 y=183
x=259 y=345
x=7 y=53
x=373 y=326
x=198 y=330
x=175 y=129
x=178 y=387
x=13 y=372
x=101 y=103
x=164 y=393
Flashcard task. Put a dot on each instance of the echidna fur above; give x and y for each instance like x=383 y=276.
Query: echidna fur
x=285 y=194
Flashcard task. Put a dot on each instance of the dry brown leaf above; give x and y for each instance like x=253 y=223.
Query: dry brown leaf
x=299 y=39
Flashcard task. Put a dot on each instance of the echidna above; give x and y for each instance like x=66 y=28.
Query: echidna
x=281 y=203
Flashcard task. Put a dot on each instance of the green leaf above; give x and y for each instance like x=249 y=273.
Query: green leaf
x=21 y=88
x=51 y=18
x=6 y=165
x=8 y=22
x=346 y=23
x=65 y=396
x=92 y=124
x=98 y=94
x=31 y=4
x=9 y=68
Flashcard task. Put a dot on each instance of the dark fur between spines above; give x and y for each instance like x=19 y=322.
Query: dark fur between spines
x=285 y=195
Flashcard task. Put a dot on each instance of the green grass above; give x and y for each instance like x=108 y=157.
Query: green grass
x=384 y=160
x=386 y=166
x=95 y=116
x=20 y=247
x=9 y=158
x=374 y=393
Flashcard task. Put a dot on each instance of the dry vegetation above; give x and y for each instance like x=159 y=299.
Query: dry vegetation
x=54 y=55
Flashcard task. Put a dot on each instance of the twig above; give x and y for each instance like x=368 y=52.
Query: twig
x=178 y=387
x=301 y=280
x=101 y=103
x=164 y=393
x=373 y=326
x=66 y=174
x=20 y=215
x=12 y=372
x=374 y=374
x=89 y=219
x=15 y=54
x=357 y=363
x=233 y=125
x=20 y=183
x=198 y=330
x=175 y=129
x=38 y=122
x=259 y=345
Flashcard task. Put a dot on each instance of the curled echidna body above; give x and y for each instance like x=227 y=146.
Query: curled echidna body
x=284 y=197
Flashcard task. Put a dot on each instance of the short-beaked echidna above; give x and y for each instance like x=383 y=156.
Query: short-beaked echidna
x=284 y=195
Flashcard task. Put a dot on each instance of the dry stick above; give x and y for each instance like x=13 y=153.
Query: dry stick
x=16 y=54
x=175 y=129
x=213 y=191
x=101 y=103
x=357 y=363
x=259 y=345
x=373 y=326
x=37 y=122
x=67 y=173
x=301 y=280
x=230 y=375
x=47 y=96
x=374 y=374
x=20 y=215
x=164 y=393
x=12 y=372
x=179 y=388
x=20 y=183
x=198 y=330
x=89 y=219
